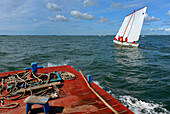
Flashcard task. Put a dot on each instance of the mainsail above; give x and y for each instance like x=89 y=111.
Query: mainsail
x=132 y=25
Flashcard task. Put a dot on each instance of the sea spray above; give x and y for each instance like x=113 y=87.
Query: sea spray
x=142 y=107
x=138 y=106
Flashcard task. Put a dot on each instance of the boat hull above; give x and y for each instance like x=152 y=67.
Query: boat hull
x=125 y=44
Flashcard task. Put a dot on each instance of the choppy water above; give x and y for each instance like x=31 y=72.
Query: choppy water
x=137 y=77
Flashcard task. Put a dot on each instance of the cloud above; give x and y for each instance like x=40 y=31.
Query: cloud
x=151 y=29
x=51 y=19
x=103 y=20
x=167 y=22
x=110 y=23
x=149 y=19
x=58 y=18
x=168 y=13
x=61 y=18
x=116 y=5
x=87 y=3
x=52 y=7
x=35 y=20
x=15 y=10
x=132 y=5
x=167 y=30
x=160 y=29
x=78 y=14
x=129 y=4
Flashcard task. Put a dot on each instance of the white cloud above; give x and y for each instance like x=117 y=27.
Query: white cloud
x=58 y=18
x=167 y=30
x=103 y=20
x=160 y=29
x=116 y=5
x=168 y=13
x=78 y=14
x=61 y=18
x=51 y=19
x=35 y=20
x=148 y=19
x=89 y=3
x=151 y=29
x=14 y=10
x=52 y=7
x=131 y=5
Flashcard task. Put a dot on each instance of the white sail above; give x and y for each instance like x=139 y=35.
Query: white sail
x=123 y=27
x=136 y=25
x=129 y=26
x=132 y=25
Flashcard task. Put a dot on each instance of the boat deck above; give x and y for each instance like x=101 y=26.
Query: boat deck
x=74 y=97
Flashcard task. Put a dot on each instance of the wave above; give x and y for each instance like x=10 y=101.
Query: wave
x=49 y=64
x=141 y=107
x=97 y=83
x=138 y=106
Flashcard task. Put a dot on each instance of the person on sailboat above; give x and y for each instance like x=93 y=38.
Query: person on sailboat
x=133 y=42
x=121 y=39
x=126 y=39
x=114 y=38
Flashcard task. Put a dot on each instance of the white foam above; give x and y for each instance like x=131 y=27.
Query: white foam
x=97 y=83
x=138 y=106
x=141 y=107
x=60 y=64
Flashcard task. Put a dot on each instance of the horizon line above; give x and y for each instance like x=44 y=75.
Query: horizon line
x=81 y=35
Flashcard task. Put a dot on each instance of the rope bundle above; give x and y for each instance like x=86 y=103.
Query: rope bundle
x=14 y=87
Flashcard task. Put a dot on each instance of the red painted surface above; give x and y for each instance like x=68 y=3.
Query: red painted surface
x=74 y=97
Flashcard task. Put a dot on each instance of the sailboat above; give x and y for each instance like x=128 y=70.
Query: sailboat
x=130 y=29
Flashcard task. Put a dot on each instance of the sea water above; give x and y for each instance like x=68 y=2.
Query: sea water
x=137 y=77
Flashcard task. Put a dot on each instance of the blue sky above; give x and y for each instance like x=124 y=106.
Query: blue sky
x=79 y=17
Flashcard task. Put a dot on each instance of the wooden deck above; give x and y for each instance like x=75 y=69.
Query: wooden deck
x=74 y=97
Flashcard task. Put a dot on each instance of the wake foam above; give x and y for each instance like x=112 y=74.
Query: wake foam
x=142 y=107
x=60 y=64
x=97 y=83
x=138 y=106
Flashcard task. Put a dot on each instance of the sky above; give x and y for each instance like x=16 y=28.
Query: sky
x=80 y=17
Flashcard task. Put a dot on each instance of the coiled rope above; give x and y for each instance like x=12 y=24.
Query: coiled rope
x=16 y=86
